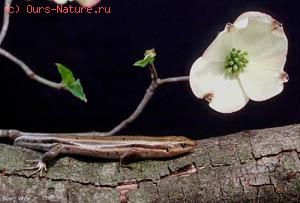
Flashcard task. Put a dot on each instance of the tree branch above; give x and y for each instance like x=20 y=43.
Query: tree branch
x=5 y=23
x=29 y=72
x=26 y=69
x=248 y=166
x=172 y=80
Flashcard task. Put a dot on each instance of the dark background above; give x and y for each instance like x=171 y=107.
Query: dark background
x=101 y=48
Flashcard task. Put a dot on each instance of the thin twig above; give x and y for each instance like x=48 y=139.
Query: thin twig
x=172 y=80
x=155 y=83
x=155 y=80
x=5 y=22
x=29 y=72
x=26 y=69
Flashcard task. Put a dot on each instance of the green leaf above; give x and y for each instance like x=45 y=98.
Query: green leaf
x=65 y=73
x=141 y=63
x=76 y=89
x=149 y=58
x=71 y=84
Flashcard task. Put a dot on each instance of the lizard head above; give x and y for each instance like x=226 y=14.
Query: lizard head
x=180 y=145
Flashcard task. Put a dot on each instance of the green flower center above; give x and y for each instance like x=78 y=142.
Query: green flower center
x=236 y=61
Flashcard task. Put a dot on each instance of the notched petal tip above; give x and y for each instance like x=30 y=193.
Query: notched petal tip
x=277 y=28
x=229 y=27
x=284 y=77
x=276 y=25
x=208 y=96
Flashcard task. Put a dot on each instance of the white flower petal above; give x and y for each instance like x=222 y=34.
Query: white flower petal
x=208 y=81
x=88 y=3
x=261 y=83
x=242 y=20
x=263 y=38
x=60 y=1
x=267 y=46
x=222 y=45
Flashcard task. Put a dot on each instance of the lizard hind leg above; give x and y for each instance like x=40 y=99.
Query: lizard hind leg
x=41 y=163
x=40 y=167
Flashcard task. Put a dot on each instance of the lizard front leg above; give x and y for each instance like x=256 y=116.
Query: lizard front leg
x=127 y=154
x=41 y=164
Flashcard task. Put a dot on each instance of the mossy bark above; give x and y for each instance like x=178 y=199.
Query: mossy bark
x=249 y=166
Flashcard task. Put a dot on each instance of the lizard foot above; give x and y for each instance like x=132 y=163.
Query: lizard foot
x=122 y=165
x=40 y=167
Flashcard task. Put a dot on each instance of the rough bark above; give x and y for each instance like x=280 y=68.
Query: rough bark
x=249 y=166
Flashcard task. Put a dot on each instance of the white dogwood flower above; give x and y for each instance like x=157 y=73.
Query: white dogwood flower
x=60 y=1
x=88 y=3
x=85 y=3
x=244 y=62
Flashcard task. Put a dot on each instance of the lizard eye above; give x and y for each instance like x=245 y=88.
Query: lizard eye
x=183 y=145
